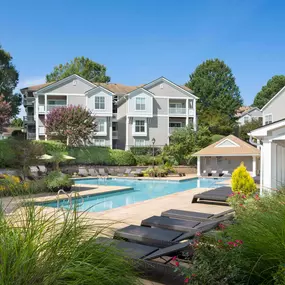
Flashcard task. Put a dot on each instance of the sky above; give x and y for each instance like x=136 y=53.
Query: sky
x=139 y=41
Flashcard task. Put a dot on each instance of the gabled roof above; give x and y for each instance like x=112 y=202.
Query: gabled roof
x=99 y=88
x=273 y=98
x=248 y=110
x=143 y=90
x=183 y=88
x=35 y=87
x=229 y=146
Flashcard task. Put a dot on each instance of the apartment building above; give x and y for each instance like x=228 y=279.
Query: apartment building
x=126 y=115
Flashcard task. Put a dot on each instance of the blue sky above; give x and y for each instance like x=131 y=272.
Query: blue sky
x=139 y=41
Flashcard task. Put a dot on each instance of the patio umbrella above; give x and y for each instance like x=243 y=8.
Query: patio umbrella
x=68 y=157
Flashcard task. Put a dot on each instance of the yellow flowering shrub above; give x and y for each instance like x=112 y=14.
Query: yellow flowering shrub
x=10 y=184
x=242 y=182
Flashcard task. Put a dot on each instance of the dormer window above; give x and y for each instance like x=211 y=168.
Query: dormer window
x=140 y=104
x=99 y=103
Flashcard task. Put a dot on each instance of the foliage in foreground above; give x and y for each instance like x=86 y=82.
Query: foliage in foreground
x=250 y=251
x=59 y=249
x=242 y=181
x=248 y=127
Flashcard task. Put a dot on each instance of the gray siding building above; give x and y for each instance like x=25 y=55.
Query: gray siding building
x=126 y=115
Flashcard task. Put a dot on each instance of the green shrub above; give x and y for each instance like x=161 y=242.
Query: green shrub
x=121 y=157
x=56 y=180
x=156 y=171
x=145 y=150
x=242 y=181
x=144 y=160
x=58 y=249
x=51 y=146
x=7 y=156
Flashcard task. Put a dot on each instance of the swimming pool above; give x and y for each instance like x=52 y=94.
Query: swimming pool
x=141 y=190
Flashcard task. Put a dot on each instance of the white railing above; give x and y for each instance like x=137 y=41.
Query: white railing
x=49 y=107
x=172 y=129
x=177 y=111
x=31 y=136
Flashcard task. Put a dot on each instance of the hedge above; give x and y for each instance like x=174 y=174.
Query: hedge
x=145 y=150
x=144 y=160
x=101 y=156
x=7 y=156
x=52 y=146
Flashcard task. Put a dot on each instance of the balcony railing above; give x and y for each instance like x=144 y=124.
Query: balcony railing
x=180 y=111
x=31 y=136
x=29 y=119
x=172 y=129
x=29 y=101
x=115 y=134
x=49 y=107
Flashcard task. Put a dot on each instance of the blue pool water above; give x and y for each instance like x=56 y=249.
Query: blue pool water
x=141 y=190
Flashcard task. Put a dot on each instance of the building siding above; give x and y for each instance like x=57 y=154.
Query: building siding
x=167 y=91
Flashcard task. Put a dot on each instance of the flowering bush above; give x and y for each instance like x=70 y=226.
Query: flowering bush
x=242 y=181
x=12 y=185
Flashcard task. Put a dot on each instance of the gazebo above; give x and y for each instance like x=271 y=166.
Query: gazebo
x=226 y=154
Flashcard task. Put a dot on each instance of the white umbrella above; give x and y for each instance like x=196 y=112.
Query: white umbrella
x=68 y=157
x=45 y=157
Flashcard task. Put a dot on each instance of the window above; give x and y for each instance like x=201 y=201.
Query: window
x=140 y=104
x=99 y=103
x=139 y=142
x=57 y=102
x=246 y=119
x=175 y=105
x=268 y=119
x=99 y=142
x=139 y=126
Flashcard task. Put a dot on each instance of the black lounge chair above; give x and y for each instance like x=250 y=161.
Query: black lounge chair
x=217 y=195
x=82 y=172
x=42 y=169
x=159 y=270
x=169 y=233
x=34 y=172
x=196 y=216
x=215 y=174
x=187 y=226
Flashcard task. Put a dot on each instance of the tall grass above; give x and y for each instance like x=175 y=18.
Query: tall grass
x=261 y=227
x=59 y=248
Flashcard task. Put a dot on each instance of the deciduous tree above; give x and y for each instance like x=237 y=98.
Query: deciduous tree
x=272 y=87
x=248 y=127
x=73 y=124
x=5 y=113
x=9 y=78
x=84 y=67
x=213 y=82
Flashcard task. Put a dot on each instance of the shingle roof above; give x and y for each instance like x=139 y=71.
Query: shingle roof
x=116 y=88
x=243 y=110
x=239 y=148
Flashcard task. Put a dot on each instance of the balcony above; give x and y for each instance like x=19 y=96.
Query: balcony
x=115 y=134
x=180 y=112
x=114 y=116
x=49 y=107
x=172 y=129
x=31 y=136
x=29 y=119
x=28 y=101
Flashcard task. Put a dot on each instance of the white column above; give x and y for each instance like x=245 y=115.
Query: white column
x=283 y=166
x=187 y=112
x=198 y=166
x=254 y=166
x=45 y=114
x=194 y=115
x=273 y=165
x=111 y=131
x=167 y=130
x=267 y=166
x=37 y=116
x=261 y=169
x=127 y=133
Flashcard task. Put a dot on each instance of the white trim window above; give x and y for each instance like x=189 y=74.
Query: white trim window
x=140 y=104
x=101 y=129
x=99 y=142
x=99 y=103
x=139 y=142
x=175 y=124
x=268 y=119
x=139 y=127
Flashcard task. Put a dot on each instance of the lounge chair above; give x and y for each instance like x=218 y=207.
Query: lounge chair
x=152 y=262
x=163 y=236
x=102 y=172
x=112 y=172
x=82 y=172
x=204 y=173
x=220 y=172
x=209 y=171
x=127 y=172
x=93 y=172
x=34 y=172
x=186 y=226
x=196 y=216
x=217 y=195
x=42 y=169
x=138 y=172
x=226 y=173
x=215 y=173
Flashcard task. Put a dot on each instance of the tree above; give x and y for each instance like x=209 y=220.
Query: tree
x=185 y=141
x=9 y=78
x=214 y=84
x=84 y=67
x=272 y=87
x=73 y=124
x=248 y=127
x=17 y=122
x=5 y=113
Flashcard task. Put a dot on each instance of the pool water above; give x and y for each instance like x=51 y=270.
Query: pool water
x=141 y=190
